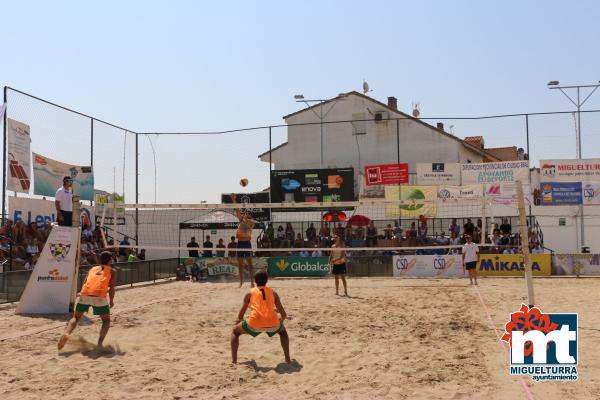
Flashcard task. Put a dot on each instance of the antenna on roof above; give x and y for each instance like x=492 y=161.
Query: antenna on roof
x=366 y=87
x=416 y=110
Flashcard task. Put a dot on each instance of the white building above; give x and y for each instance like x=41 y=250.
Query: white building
x=373 y=138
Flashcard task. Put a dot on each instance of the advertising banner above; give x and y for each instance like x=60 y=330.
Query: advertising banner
x=448 y=266
x=51 y=284
x=576 y=264
x=298 y=266
x=560 y=193
x=18 y=143
x=505 y=193
x=460 y=192
x=386 y=174
x=570 y=170
x=512 y=265
x=312 y=185
x=101 y=200
x=258 y=214
x=40 y=211
x=591 y=193
x=414 y=193
x=48 y=177
x=438 y=174
x=495 y=172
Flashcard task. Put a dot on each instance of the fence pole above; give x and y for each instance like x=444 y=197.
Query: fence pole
x=270 y=155
x=4 y=155
x=137 y=174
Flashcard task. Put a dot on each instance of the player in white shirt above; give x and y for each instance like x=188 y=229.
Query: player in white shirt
x=470 y=257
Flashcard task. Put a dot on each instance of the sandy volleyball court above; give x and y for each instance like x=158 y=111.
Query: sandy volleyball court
x=393 y=339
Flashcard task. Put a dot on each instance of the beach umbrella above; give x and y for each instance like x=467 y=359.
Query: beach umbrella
x=334 y=216
x=359 y=220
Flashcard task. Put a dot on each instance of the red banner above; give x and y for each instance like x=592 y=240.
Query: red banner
x=386 y=174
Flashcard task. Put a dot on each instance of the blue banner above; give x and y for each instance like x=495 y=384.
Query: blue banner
x=561 y=193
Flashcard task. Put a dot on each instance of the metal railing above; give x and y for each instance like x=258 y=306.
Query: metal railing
x=12 y=283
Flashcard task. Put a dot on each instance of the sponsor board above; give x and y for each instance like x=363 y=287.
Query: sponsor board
x=298 y=266
x=495 y=172
x=258 y=214
x=221 y=266
x=18 y=143
x=386 y=174
x=513 y=265
x=51 y=286
x=505 y=193
x=438 y=174
x=101 y=200
x=48 y=176
x=570 y=170
x=591 y=193
x=460 y=192
x=576 y=264
x=312 y=185
x=39 y=211
x=560 y=193
x=447 y=266
x=411 y=193
x=542 y=346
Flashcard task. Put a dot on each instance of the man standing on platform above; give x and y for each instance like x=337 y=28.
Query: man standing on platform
x=64 y=202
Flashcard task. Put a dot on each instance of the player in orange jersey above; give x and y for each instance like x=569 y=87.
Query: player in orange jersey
x=99 y=282
x=262 y=301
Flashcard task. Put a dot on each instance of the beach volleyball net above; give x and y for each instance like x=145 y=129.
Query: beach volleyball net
x=367 y=227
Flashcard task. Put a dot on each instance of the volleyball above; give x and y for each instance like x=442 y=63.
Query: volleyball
x=244 y=182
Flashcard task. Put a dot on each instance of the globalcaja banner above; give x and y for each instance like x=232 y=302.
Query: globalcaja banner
x=438 y=174
x=495 y=172
x=48 y=176
x=386 y=174
x=422 y=266
x=561 y=193
x=312 y=185
x=576 y=264
x=460 y=192
x=101 y=200
x=19 y=156
x=591 y=193
x=570 y=170
x=258 y=214
x=411 y=193
x=40 y=211
x=298 y=266
x=513 y=265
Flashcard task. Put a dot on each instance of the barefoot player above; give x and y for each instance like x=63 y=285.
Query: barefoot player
x=262 y=301
x=99 y=282
x=337 y=259
x=244 y=245
x=470 y=257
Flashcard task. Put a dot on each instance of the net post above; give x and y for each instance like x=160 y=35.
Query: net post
x=4 y=155
x=483 y=222
x=525 y=244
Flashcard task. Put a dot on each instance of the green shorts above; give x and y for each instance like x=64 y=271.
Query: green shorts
x=99 y=306
x=257 y=331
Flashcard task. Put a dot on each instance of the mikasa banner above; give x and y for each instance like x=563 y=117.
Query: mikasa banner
x=52 y=284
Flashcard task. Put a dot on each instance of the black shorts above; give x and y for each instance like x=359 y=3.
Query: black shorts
x=243 y=244
x=471 y=265
x=338 y=269
x=67 y=218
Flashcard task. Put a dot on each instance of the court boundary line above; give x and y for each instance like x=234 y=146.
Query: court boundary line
x=50 y=327
x=520 y=379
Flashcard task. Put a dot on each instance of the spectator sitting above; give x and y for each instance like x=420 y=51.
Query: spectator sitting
x=131 y=257
x=454 y=239
x=304 y=253
x=469 y=227
x=505 y=228
x=388 y=232
x=443 y=239
x=348 y=234
x=32 y=251
x=311 y=233
x=280 y=234
x=86 y=231
x=299 y=242
x=317 y=253
x=325 y=232
x=339 y=230
x=537 y=249
x=289 y=232
x=412 y=232
x=124 y=251
x=397 y=230
x=207 y=244
x=193 y=244
x=371 y=235
x=220 y=245
x=454 y=228
x=496 y=237
x=231 y=246
x=180 y=273
x=508 y=250
x=142 y=255
x=270 y=232
x=359 y=233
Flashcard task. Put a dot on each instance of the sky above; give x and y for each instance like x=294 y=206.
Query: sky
x=194 y=66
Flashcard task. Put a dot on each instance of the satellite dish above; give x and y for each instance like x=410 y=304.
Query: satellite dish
x=416 y=112
x=365 y=87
